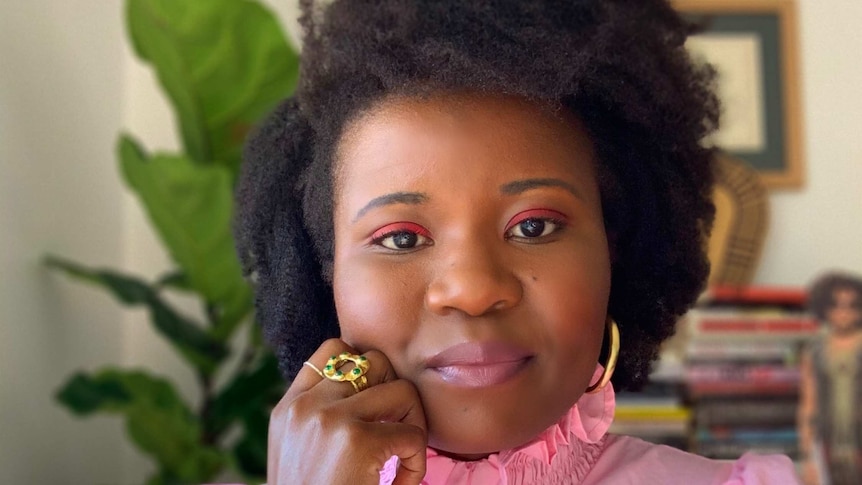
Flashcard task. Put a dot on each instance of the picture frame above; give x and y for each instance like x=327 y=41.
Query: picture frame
x=753 y=46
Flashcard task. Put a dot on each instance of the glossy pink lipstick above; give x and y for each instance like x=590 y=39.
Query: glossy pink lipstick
x=479 y=364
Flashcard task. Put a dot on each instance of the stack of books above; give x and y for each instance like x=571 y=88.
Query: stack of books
x=656 y=414
x=742 y=370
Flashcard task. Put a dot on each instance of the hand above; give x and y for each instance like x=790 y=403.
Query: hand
x=325 y=432
x=809 y=473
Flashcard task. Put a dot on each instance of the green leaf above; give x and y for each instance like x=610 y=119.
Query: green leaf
x=223 y=63
x=174 y=439
x=250 y=450
x=198 y=347
x=247 y=392
x=176 y=280
x=84 y=395
x=191 y=207
x=157 y=419
x=128 y=290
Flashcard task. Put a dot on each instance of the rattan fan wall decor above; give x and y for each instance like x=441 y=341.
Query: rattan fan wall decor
x=741 y=222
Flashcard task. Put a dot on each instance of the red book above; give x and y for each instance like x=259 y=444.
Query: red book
x=767 y=295
x=758 y=325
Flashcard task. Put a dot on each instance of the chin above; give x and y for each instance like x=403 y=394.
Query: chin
x=468 y=448
x=468 y=425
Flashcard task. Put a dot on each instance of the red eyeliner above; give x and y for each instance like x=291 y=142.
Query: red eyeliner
x=397 y=227
x=536 y=214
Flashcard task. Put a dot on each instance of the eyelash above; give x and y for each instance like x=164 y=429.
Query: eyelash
x=379 y=237
x=396 y=228
x=544 y=215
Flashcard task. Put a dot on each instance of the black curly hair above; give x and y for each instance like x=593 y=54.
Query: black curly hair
x=618 y=65
x=821 y=294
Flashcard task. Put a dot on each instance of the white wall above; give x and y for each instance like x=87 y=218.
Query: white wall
x=60 y=97
x=69 y=84
x=820 y=227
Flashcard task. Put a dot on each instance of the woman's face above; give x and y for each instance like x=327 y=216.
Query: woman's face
x=844 y=314
x=470 y=249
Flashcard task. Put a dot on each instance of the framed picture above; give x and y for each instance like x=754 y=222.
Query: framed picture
x=753 y=46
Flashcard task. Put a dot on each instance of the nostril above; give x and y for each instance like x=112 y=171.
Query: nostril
x=500 y=305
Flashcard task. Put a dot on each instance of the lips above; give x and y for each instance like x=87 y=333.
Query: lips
x=479 y=364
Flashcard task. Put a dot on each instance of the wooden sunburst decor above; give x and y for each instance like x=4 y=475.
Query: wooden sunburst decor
x=741 y=222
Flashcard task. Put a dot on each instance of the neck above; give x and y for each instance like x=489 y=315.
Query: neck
x=463 y=456
x=846 y=332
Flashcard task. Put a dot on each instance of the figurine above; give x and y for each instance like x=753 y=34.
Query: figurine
x=830 y=412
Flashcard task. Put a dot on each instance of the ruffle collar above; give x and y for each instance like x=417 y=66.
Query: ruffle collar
x=577 y=433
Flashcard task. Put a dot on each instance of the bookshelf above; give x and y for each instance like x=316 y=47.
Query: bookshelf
x=728 y=383
x=742 y=371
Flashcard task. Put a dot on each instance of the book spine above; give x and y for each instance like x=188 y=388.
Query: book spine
x=700 y=390
x=757 y=294
x=764 y=374
x=772 y=412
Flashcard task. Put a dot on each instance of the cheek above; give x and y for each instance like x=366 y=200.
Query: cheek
x=374 y=310
x=579 y=320
x=573 y=303
x=844 y=316
x=587 y=303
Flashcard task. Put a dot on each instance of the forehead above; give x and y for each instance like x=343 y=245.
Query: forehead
x=504 y=138
x=844 y=294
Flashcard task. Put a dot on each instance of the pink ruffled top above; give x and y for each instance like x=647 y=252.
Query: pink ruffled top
x=578 y=450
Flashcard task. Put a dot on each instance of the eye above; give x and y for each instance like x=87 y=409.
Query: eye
x=401 y=236
x=535 y=224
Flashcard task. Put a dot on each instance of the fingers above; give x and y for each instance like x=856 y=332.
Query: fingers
x=350 y=438
x=337 y=425
x=390 y=402
x=380 y=370
x=307 y=378
x=408 y=443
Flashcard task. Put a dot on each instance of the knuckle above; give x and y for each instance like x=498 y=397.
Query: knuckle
x=299 y=409
x=306 y=414
x=328 y=419
x=352 y=433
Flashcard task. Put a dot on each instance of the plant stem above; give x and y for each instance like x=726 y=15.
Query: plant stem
x=208 y=437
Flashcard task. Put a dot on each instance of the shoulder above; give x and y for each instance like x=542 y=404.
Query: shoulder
x=631 y=460
x=755 y=469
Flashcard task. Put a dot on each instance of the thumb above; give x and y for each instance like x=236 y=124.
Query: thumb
x=411 y=462
x=407 y=475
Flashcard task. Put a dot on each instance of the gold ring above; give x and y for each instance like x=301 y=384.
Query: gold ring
x=309 y=364
x=356 y=376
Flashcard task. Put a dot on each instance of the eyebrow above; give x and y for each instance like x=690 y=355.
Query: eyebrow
x=521 y=186
x=511 y=188
x=411 y=198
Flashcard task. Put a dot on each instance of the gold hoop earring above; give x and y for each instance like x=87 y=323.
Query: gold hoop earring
x=613 y=354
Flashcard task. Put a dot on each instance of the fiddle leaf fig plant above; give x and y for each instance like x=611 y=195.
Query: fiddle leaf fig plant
x=223 y=65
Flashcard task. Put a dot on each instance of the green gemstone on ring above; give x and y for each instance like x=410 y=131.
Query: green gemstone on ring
x=331 y=357
x=338 y=373
x=362 y=358
x=356 y=371
x=328 y=367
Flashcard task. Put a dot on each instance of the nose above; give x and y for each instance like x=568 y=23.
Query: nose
x=474 y=280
